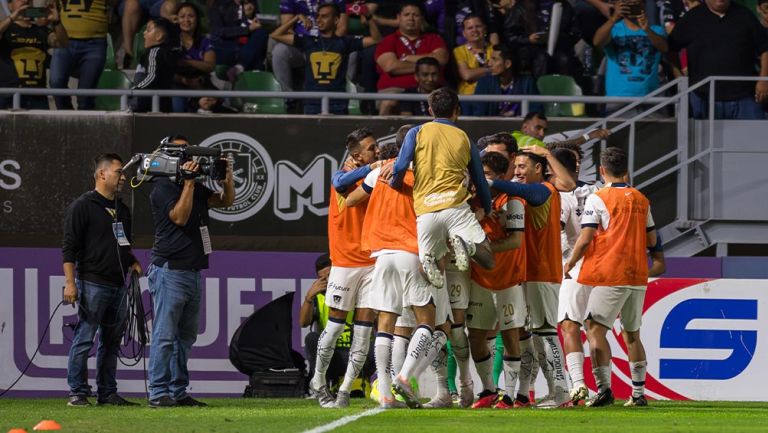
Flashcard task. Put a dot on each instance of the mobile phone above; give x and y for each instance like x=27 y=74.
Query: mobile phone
x=36 y=12
x=635 y=8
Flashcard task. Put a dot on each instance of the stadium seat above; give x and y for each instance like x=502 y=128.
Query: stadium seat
x=264 y=81
x=111 y=63
x=560 y=85
x=269 y=7
x=111 y=79
x=354 y=104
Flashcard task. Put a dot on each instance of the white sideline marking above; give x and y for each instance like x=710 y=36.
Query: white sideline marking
x=343 y=421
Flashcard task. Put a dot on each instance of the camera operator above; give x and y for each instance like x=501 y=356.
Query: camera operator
x=181 y=248
x=97 y=229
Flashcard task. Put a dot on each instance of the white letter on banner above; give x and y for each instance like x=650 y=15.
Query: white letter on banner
x=211 y=307
x=292 y=182
x=235 y=310
x=278 y=286
x=55 y=291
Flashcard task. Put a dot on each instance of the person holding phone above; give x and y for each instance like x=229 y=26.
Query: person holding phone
x=633 y=51
x=25 y=36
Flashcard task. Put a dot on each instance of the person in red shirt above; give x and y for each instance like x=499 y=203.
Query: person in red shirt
x=397 y=54
x=616 y=229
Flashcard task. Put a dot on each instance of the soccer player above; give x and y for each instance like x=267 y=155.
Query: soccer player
x=441 y=153
x=617 y=227
x=544 y=265
x=350 y=276
x=389 y=232
x=496 y=297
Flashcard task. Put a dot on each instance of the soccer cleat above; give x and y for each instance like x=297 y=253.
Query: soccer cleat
x=455 y=398
x=579 y=394
x=402 y=388
x=466 y=394
x=115 y=400
x=432 y=271
x=485 y=399
x=636 y=401
x=462 y=251
x=603 y=398
x=439 y=402
x=190 y=402
x=522 y=401
x=505 y=402
x=391 y=403
x=548 y=402
x=78 y=401
x=324 y=396
x=342 y=399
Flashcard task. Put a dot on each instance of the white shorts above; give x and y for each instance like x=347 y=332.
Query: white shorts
x=406 y=320
x=443 y=311
x=489 y=307
x=349 y=288
x=572 y=302
x=398 y=282
x=434 y=229
x=542 y=301
x=606 y=302
x=457 y=284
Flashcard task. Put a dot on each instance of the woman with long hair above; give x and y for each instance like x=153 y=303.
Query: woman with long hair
x=198 y=58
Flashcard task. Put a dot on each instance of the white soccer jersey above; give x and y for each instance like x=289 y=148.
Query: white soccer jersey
x=571 y=210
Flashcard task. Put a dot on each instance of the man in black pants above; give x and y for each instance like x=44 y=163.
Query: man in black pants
x=181 y=248
x=97 y=236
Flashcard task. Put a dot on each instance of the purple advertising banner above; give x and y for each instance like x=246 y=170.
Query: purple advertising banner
x=235 y=285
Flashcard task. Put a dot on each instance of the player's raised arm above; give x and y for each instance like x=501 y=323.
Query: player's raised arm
x=405 y=157
x=536 y=194
x=478 y=178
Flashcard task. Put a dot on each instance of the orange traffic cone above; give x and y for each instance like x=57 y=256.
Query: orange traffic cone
x=47 y=424
x=17 y=430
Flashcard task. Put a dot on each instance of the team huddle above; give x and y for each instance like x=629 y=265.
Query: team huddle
x=439 y=243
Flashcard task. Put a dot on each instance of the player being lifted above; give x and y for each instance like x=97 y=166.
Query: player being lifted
x=350 y=277
x=441 y=154
x=617 y=227
x=496 y=297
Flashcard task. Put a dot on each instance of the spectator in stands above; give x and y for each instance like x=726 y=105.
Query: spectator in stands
x=239 y=42
x=633 y=51
x=673 y=11
x=133 y=11
x=285 y=57
x=472 y=57
x=762 y=12
x=86 y=53
x=157 y=67
x=434 y=16
x=326 y=55
x=532 y=131
x=198 y=57
x=23 y=51
x=314 y=314
x=427 y=80
x=477 y=8
x=723 y=38
x=525 y=29
x=397 y=54
x=503 y=81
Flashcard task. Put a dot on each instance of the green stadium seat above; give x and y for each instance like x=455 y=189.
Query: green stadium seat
x=560 y=85
x=111 y=63
x=269 y=7
x=354 y=104
x=264 y=81
x=111 y=79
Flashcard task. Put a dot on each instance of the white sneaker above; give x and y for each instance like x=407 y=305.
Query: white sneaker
x=466 y=394
x=434 y=275
x=342 y=399
x=439 y=402
x=462 y=251
x=547 y=402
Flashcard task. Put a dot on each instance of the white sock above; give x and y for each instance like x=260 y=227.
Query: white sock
x=358 y=352
x=485 y=371
x=435 y=348
x=491 y=342
x=326 y=345
x=399 y=349
x=527 y=362
x=511 y=372
x=638 y=377
x=535 y=368
x=575 y=361
x=460 y=346
x=553 y=351
x=440 y=368
x=602 y=377
x=417 y=350
x=382 y=350
x=547 y=369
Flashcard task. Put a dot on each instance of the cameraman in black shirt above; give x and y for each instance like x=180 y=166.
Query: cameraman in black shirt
x=180 y=251
x=97 y=236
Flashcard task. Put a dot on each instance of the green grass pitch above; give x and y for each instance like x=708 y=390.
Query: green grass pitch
x=286 y=416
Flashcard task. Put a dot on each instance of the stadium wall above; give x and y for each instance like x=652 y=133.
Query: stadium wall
x=701 y=330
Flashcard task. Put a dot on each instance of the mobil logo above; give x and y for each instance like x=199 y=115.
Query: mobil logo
x=702 y=340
